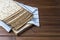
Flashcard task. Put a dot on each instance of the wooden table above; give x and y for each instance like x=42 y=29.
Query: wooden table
x=49 y=13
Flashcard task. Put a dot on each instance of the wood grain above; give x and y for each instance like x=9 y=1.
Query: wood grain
x=49 y=13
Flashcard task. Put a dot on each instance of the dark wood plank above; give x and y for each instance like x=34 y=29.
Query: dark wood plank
x=35 y=32
x=29 y=38
x=38 y=38
x=4 y=38
x=39 y=2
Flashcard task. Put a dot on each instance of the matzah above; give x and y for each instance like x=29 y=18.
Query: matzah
x=19 y=19
x=14 y=15
x=22 y=29
x=7 y=8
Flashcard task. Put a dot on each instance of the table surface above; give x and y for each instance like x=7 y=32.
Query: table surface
x=49 y=22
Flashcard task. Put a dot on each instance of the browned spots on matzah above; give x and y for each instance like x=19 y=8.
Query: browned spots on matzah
x=13 y=16
x=18 y=19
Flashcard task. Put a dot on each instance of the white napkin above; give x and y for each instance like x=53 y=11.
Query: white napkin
x=33 y=10
x=5 y=26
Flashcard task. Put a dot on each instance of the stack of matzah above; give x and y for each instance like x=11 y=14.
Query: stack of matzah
x=14 y=15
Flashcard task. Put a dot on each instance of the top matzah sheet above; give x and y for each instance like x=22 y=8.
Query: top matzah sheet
x=7 y=8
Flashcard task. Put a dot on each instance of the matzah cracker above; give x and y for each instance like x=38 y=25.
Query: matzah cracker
x=17 y=21
x=14 y=15
x=22 y=29
x=7 y=8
